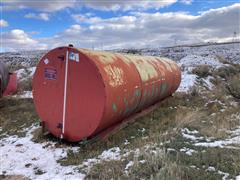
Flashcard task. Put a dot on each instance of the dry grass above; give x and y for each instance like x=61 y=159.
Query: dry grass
x=233 y=86
x=226 y=72
x=13 y=177
x=25 y=85
x=210 y=112
x=16 y=115
x=202 y=71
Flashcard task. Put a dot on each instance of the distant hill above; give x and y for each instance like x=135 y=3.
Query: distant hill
x=227 y=51
x=22 y=58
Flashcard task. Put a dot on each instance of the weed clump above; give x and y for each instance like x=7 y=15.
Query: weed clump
x=202 y=71
x=233 y=86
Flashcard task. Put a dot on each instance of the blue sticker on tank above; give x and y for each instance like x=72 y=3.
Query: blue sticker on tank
x=50 y=74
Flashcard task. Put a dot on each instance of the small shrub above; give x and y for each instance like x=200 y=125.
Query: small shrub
x=25 y=85
x=133 y=51
x=202 y=71
x=222 y=60
x=227 y=71
x=233 y=86
x=193 y=91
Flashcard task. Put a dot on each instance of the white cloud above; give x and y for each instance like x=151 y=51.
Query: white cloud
x=127 y=5
x=43 y=5
x=147 y=29
x=17 y=39
x=55 y=5
x=3 y=23
x=187 y=2
x=40 y=16
x=157 y=29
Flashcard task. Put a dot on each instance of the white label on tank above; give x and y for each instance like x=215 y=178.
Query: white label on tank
x=46 y=61
x=74 y=56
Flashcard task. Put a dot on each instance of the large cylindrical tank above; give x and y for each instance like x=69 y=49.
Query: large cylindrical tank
x=79 y=93
x=4 y=78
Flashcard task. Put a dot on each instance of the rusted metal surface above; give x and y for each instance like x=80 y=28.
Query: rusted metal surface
x=79 y=93
x=12 y=85
x=102 y=135
x=4 y=78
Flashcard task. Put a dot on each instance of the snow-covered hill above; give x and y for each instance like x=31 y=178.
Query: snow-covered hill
x=22 y=58
x=230 y=52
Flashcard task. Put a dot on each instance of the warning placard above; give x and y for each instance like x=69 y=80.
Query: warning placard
x=50 y=73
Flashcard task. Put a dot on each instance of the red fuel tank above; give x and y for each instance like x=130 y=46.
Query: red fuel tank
x=12 y=85
x=4 y=78
x=79 y=93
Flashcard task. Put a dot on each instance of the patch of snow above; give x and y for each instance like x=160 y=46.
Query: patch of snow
x=130 y=164
x=171 y=149
x=207 y=82
x=186 y=133
x=211 y=168
x=24 y=73
x=188 y=81
x=25 y=94
x=188 y=151
x=189 y=62
x=21 y=156
x=20 y=73
x=234 y=140
x=213 y=114
x=215 y=101
x=32 y=71
x=225 y=175
x=142 y=161
x=107 y=155
x=126 y=142
x=142 y=130
x=190 y=132
x=238 y=177
x=111 y=154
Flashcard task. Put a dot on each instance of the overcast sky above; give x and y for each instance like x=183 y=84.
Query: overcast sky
x=110 y=24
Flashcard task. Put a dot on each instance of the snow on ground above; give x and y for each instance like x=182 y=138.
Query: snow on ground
x=129 y=164
x=223 y=174
x=188 y=63
x=25 y=94
x=188 y=81
x=207 y=82
x=230 y=52
x=21 y=156
x=187 y=151
x=238 y=177
x=24 y=58
x=111 y=154
x=186 y=133
x=24 y=73
x=191 y=61
x=234 y=139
